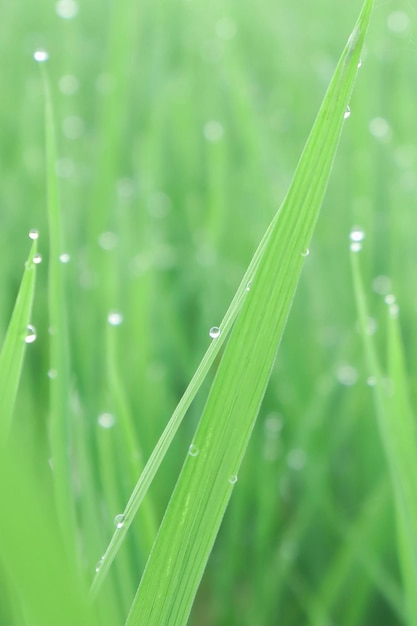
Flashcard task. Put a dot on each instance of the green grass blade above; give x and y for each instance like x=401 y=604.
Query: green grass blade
x=58 y=342
x=13 y=349
x=174 y=423
x=46 y=584
x=194 y=514
x=397 y=427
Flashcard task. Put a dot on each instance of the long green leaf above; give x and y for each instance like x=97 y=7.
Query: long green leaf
x=13 y=349
x=194 y=514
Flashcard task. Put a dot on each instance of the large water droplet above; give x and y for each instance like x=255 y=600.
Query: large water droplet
x=214 y=332
x=114 y=318
x=119 y=520
x=34 y=233
x=30 y=334
x=41 y=56
x=193 y=450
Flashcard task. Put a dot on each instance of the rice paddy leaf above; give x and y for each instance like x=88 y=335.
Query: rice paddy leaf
x=13 y=349
x=210 y=472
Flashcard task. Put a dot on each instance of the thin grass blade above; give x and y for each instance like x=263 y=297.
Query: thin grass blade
x=13 y=349
x=398 y=433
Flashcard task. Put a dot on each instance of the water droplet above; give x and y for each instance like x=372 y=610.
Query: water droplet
x=306 y=252
x=213 y=131
x=41 y=56
x=99 y=564
x=68 y=85
x=30 y=334
x=394 y=310
x=371 y=381
x=296 y=459
x=106 y=420
x=34 y=234
x=371 y=326
x=214 y=332
x=382 y=285
x=347 y=112
x=389 y=299
x=249 y=285
x=52 y=374
x=114 y=318
x=357 y=234
x=359 y=64
x=356 y=246
x=66 y=9
x=193 y=450
x=64 y=257
x=347 y=375
x=119 y=520
x=73 y=127
x=273 y=424
x=398 y=22
x=380 y=128
x=108 y=241
x=233 y=479
x=37 y=258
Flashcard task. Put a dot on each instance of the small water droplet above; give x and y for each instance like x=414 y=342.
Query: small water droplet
x=37 y=258
x=66 y=9
x=360 y=64
x=347 y=375
x=108 y=241
x=233 y=479
x=106 y=420
x=34 y=234
x=193 y=450
x=306 y=252
x=389 y=299
x=296 y=459
x=357 y=234
x=119 y=520
x=382 y=285
x=99 y=564
x=371 y=381
x=114 y=318
x=213 y=131
x=30 y=334
x=214 y=332
x=394 y=310
x=347 y=112
x=52 y=374
x=64 y=257
x=249 y=285
x=356 y=246
x=41 y=56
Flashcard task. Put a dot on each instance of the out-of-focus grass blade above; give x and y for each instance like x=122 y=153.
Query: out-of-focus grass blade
x=59 y=351
x=398 y=432
x=13 y=349
x=46 y=586
x=194 y=514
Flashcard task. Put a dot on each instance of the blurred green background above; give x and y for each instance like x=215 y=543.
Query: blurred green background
x=179 y=126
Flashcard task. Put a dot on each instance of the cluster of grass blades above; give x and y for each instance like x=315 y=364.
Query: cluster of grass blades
x=47 y=555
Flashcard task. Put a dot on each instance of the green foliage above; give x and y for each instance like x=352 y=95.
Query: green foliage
x=172 y=134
